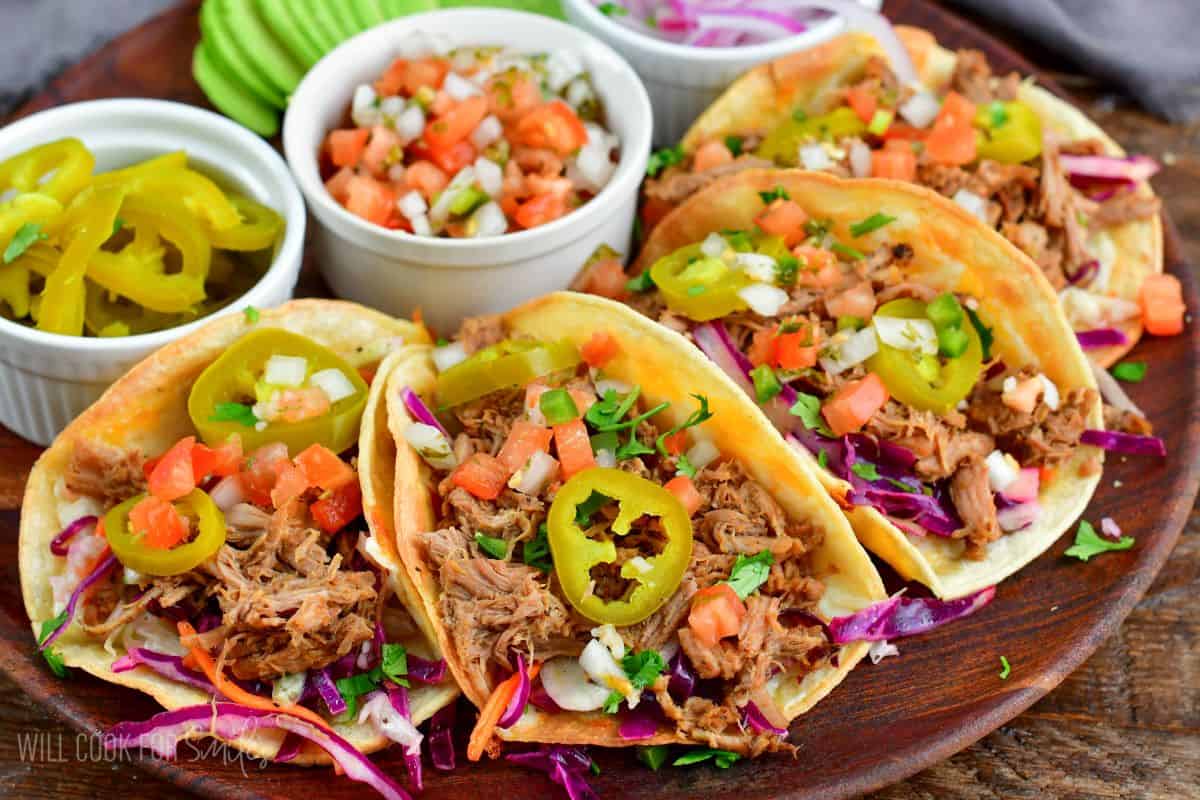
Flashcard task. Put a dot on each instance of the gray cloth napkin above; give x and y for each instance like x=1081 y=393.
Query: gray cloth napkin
x=1147 y=47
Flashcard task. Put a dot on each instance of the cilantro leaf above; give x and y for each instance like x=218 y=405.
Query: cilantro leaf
x=633 y=448
x=847 y=251
x=778 y=193
x=53 y=659
x=685 y=467
x=251 y=315
x=588 y=508
x=724 y=759
x=493 y=546
x=613 y=702
x=22 y=240
x=734 y=143
x=1005 y=669
x=643 y=667
x=808 y=408
x=661 y=159
x=786 y=270
x=51 y=625
x=641 y=284
x=985 y=333
x=394 y=663
x=1130 y=371
x=823 y=459
x=871 y=223
x=818 y=228
x=701 y=414
x=865 y=470
x=234 y=412
x=612 y=10
x=1088 y=543
x=653 y=757
x=751 y=572
x=535 y=552
x=56 y=663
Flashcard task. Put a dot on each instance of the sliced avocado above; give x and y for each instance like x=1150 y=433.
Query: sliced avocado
x=394 y=9
x=313 y=23
x=230 y=97
x=326 y=22
x=260 y=45
x=345 y=13
x=225 y=54
x=280 y=17
x=367 y=12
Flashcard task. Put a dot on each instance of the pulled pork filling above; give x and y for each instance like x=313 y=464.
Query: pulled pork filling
x=497 y=602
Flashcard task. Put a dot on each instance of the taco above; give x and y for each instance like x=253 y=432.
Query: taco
x=597 y=518
x=198 y=534
x=1026 y=162
x=917 y=359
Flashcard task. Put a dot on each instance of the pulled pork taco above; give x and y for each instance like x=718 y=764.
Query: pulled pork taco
x=917 y=360
x=206 y=534
x=615 y=547
x=1021 y=159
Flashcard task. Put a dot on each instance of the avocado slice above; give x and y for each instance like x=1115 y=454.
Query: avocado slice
x=325 y=23
x=346 y=17
x=311 y=25
x=230 y=97
x=224 y=54
x=260 y=46
x=281 y=18
x=393 y=9
x=367 y=12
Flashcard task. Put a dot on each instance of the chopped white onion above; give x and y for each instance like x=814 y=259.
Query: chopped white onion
x=440 y=209
x=568 y=686
x=412 y=204
x=1050 y=392
x=490 y=176
x=608 y=636
x=490 y=220
x=759 y=266
x=880 y=650
x=703 y=453
x=972 y=203
x=606 y=458
x=285 y=370
x=448 y=355
x=411 y=123
x=640 y=565
x=860 y=159
x=604 y=384
x=916 y=335
x=763 y=298
x=595 y=166
x=714 y=245
x=562 y=66
x=920 y=110
x=463 y=59
x=843 y=353
x=391 y=723
x=487 y=131
x=364 y=111
x=392 y=108
x=459 y=87
x=421 y=226
x=131 y=577
x=535 y=475
x=578 y=92
x=1018 y=517
x=228 y=492
x=598 y=662
x=334 y=383
x=814 y=156
x=432 y=445
x=395 y=173
x=1002 y=469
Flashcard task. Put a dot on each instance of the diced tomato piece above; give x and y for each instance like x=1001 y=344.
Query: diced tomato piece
x=710 y=155
x=339 y=509
x=220 y=461
x=540 y=210
x=297 y=405
x=260 y=469
x=481 y=475
x=369 y=199
x=173 y=476
x=554 y=126
x=601 y=348
x=524 y=439
x=584 y=399
x=796 y=350
x=429 y=72
x=346 y=146
x=899 y=164
x=863 y=102
x=856 y=402
x=426 y=178
x=903 y=132
x=533 y=397
x=442 y=102
x=685 y=491
x=957 y=108
x=1161 y=299
x=717 y=612
x=383 y=147
x=323 y=468
x=158 y=523
x=818 y=267
x=953 y=139
x=676 y=443
x=652 y=212
x=857 y=301
x=783 y=218
x=337 y=185
x=606 y=278
x=761 y=347
x=392 y=80
x=574 y=447
x=454 y=157
x=291 y=481
x=511 y=99
x=456 y=124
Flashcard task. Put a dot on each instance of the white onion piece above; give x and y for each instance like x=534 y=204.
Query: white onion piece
x=1050 y=394
x=1002 y=469
x=759 y=266
x=703 y=453
x=392 y=108
x=856 y=348
x=714 y=245
x=391 y=723
x=395 y=173
x=535 y=475
x=1018 y=517
x=914 y=335
x=463 y=59
x=594 y=165
x=763 y=298
x=421 y=225
x=604 y=384
x=579 y=91
x=490 y=220
x=814 y=156
x=364 y=111
x=459 y=87
x=334 y=383
x=562 y=67
x=447 y=355
x=860 y=159
x=880 y=650
x=412 y=205
x=608 y=636
x=598 y=662
x=606 y=458
x=920 y=110
x=490 y=176
x=285 y=370
x=863 y=19
x=486 y=132
x=228 y=492
x=568 y=686
x=286 y=689
x=640 y=565
x=431 y=445
x=411 y=123
x=972 y=203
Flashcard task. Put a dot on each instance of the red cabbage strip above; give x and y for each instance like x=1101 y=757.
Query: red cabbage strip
x=516 y=705
x=166 y=665
x=1085 y=272
x=228 y=721
x=289 y=749
x=753 y=718
x=1101 y=337
x=1117 y=442
x=421 y=413
x=423 y=670
x=329 y=691
x=901 y=616
x=713 y=339
x=99 y=572
x=540 y=698
x=441 y=737
x=683 y=680
x=641 y=722
x=398 y=697
x=58 y=545
x=566 y=766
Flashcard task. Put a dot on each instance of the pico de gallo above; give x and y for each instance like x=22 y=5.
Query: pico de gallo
x=476 y=141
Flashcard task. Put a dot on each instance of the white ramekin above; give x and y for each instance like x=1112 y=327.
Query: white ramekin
x=684 y=80
x=47 y=379
x=449 y=279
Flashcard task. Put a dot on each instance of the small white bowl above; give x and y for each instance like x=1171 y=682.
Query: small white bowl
x=47 y=379
x=684 y=80
x=449 y=279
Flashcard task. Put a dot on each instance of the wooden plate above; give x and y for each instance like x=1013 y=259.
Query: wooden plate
x=882 y=724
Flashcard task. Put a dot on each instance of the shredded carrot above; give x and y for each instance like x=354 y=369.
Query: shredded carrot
x=490 y=715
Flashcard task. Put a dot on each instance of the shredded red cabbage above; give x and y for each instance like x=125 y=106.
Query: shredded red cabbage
x=166 y=665
x=683 y=680
x=566 y=766
x=905 y=616
x=538 y=696
x=398 y=697
x=96 y=574
x=516 y=705
x=1117 y=442
x=328 y=690
x=753 y=718
x=641 y=722
x=441 y=737
x=289 y=748
x=58 y=545
x=422 y=670
x=1085 y=272
x=1101 y=337
x=713 y=339
x=421 y=413
x=228 y=721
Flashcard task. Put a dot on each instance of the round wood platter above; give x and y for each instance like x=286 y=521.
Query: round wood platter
x=884 y=723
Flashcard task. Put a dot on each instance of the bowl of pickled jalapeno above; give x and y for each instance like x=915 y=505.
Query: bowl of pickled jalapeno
x=124 y=224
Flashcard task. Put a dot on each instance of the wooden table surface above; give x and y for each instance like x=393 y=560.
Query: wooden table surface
x=1125 y=726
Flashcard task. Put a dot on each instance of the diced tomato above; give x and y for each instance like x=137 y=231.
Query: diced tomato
x=554 y=126
x=606 y=278
x=338 y=509
x=158 y=523
x=676 y=443
x=369 y=199
x=524 y=439
x=863 y=102
x=952 y=140
x=717 y=612
x=540 y=210
x=481 y=475
x=346 y=146
x=818 y=267
x=454 y=157
x=456 y=124
x=1046 y=474
x=511 y=99
x=783 y=218
x=796 y=350
x=584 y=399
x=652 y=212
x=903 y=132
x=260 y=469
x=761 y=347
x=323 y=468
x=392 y=80
x=173 y=476
x=384 y=147
x=426 y=178
x=291 y=481
x=685 y=492
x=710 y=155
x=895 y=163
x=533 y=396
x=856 y=402
x=338 y=184
x=442 y=102
x=220 y=461
x=1161 y=299
x=857 y=301
x=601 y=348
x=574 y=447
x=429 y=72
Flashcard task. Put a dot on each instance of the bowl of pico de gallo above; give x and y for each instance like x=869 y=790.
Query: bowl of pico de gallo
x=462 y=161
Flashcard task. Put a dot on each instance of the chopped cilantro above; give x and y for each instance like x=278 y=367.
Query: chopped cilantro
x=778 y=193
x=818 y=228
x=234 y=412
x=613 y=702
x=1088 y=543
x=808 y=408
x=684 y=467
x=823 y=459
x=847 y=251
x=643 y=667
x=734 y=143
x=985 y=333
x=749 y=573
x=641 y=284
x=653 y=757
x=786 y=269
x=251 y=314
x=53 y=659
x=865 y=470
x=871 y=223
x=612 y=9
x=22 y=240
x=661 y=159
x=535 y=552
x=1005 y=669
x=724 y=759
x=56 y=663
x=695 y=418
x=588 y=508
x=1130 y=371
x=394 y=663
x=799 y=115
x=633 y=448
x=605 y=441
x=738 y=240
x=493 y=546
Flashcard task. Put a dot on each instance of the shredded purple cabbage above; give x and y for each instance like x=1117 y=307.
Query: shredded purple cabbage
x=166 y=665
x=325 y=686
x=538 y=696
x=441 y=737
x=289 y=748
x=566 y=766
x=1101 y=337
x=422 y=670
x=520 y=698
x=1117 y=442
x=1085 y=273
x=96 y=574
x=58 y=545
x=753 y=718
x=420 y=412
x=641 y=722
x=398 y=697
x=682 y=680
x=901 y=616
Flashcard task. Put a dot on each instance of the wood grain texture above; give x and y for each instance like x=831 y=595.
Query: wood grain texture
x=1125 y=725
